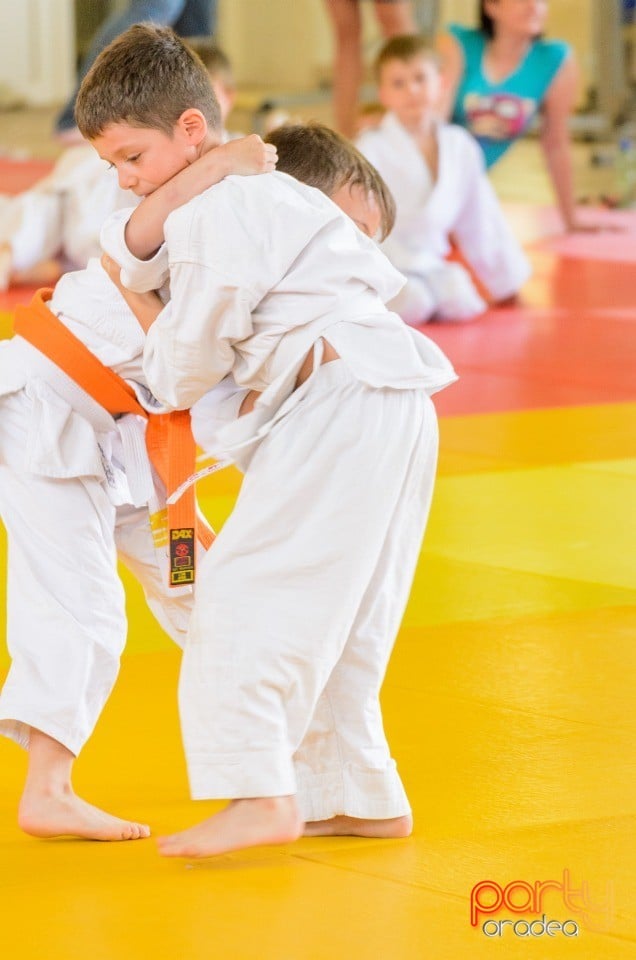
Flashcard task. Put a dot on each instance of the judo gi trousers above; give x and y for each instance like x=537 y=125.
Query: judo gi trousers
x=66 y=621
x=300 y=599
x=445 y=292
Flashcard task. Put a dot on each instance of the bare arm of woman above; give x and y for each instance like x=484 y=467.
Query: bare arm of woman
x=453 y=65
x=247 y=156
x=555 y=140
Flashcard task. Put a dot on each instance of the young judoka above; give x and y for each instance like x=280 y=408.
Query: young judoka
x=54 y=227
x=436 y=174
x=76 y=489
x=312 y=153
x=299 y=601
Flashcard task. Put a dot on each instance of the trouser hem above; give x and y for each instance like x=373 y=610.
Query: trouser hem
x=267 y=773
x=353 y=792
x=17 y=724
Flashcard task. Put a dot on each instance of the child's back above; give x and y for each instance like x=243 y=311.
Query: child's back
x=311 y=270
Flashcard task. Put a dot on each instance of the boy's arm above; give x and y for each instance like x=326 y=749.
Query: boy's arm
x=246 y=156
x=145 y=306
x=139 y=276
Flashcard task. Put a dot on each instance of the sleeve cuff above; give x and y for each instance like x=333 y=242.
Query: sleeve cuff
x=138 y=275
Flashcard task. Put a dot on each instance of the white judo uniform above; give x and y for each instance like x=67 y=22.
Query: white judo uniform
x=300 y=598
x=74 y=489
x=61 y=216
x=460 y=202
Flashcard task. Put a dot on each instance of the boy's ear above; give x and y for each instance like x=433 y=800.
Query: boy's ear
x=193 y=125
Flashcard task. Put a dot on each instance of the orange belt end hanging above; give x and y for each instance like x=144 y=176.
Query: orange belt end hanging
x=182 y=514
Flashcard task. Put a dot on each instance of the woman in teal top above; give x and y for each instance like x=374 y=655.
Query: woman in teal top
x=502 y=74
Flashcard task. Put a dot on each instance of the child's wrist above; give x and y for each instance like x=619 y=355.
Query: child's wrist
x=221 y=161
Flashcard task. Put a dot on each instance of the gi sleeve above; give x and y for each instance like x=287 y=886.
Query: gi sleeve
x=139 y=276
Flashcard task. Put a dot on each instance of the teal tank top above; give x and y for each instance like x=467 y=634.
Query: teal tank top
x=498 y=113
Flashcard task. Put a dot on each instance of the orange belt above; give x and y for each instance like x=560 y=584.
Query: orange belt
x=169 y=439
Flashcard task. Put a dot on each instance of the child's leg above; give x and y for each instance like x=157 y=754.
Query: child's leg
x=446 y=292
x=133 y=536
x=278 y=597
x=457 y=298
x=66 y=629
x=346 y=777
x=50 y=808
x=415 y=302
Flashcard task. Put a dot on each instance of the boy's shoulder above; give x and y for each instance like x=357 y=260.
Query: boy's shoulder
x=383 y=138
x=275 y=185
x=254 y=199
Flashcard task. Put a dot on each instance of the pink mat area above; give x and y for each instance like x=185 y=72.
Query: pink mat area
x=540 y=228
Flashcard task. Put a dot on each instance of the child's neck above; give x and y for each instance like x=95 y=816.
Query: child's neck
x=422 y=128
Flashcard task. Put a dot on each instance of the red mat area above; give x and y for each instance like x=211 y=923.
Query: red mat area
x=16 y=295
x=18 y=175
x=571 y=341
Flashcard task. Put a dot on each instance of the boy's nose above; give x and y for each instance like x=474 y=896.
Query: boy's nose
x=126 y=180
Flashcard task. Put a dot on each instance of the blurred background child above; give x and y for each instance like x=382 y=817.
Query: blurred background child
x=436 y=174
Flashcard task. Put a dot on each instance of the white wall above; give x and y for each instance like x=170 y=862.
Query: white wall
x=37 y=48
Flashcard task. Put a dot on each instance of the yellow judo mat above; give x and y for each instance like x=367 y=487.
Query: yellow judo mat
x=509 y=704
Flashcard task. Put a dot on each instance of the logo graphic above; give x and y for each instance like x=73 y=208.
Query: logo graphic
x=520 y=897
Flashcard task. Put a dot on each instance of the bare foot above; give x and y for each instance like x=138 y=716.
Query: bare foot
x=343 y=826
x=63 y=814
x=243 y=823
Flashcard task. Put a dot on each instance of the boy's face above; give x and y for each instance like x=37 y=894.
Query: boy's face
x=411 y=88
x=361 y=206
x=145 y=158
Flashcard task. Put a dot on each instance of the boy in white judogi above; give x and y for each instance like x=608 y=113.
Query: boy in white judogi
x=76 y=489
x=300 y=599
x=436 y=174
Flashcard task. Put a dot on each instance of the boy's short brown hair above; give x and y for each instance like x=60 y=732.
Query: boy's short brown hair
x=147 y=77
x=404 y=48
x=322 y=158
